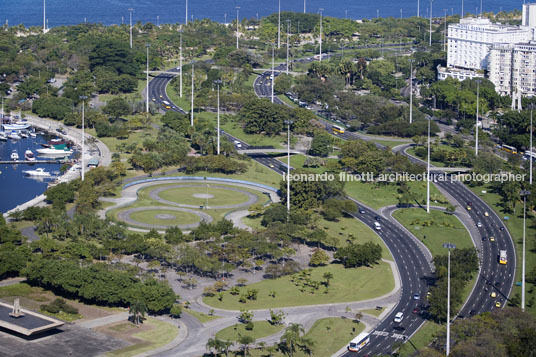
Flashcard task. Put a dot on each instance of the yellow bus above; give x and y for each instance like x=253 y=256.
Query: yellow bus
x=166 y=104
x=509 y=149
x=337 y=129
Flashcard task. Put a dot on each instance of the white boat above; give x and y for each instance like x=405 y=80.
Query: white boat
x=14 y=135
x=16 y=126
x=37 y=172
x=29 y=155
x=54 y=152
x=33 y=134
x=24 y=134
x=3 y=136
x=14 y=155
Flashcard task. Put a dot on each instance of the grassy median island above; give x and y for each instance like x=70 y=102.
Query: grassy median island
x=378 y=195
x=202 y=317
x=260 y=329
x=434 y=229
x=194 y=195
x=347 y=285
x=164 y=217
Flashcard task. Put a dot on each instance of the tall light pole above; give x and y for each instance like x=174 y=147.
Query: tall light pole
x=418 y=8
x=462 y=9
x=279 y=24
x=147 y=45
x=44 y=18
x=237 y=10
x=180 y=63
x=289 y=123
x=130 y=28
x=449 y=246
x=186 y=22
x=431 y=1
x=530 y=145
x=320 y=10
x=410 y=91
x=218 y=83
x=288 y=42
x=445 y=32
x=476 y=128
x=524 y=193
x=192 y=105
x=304 y=6
x=273 y=71
x=83 y=97
x=428 y=172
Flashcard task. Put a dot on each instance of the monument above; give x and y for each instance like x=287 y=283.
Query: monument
x=16 y=309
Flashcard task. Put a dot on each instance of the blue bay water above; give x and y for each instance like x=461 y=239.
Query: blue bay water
x=15 y=187
x=70 y=12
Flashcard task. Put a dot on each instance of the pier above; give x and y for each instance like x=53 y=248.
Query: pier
x=17 y=162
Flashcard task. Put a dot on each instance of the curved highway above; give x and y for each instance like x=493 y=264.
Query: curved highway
x=411 y=257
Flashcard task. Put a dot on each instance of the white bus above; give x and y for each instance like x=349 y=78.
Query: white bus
x=337 y=129
x=502 y=257
x=359 y=342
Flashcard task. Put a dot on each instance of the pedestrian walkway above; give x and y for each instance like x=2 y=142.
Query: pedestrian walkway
x=106 y=320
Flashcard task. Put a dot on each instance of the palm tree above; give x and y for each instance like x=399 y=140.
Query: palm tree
x=328 y=276
x=292 y=337
x=245 y=341
x=138 y=310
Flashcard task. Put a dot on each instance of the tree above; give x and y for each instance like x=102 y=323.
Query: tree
x=355 y=255
x=328 y=276
x=319 y=258
x=321 y=144
x=117 y=107
x=276 y=318
x=245 y=316
x=138 y=310
x=291 y=337
x=176 y=310
x=245 y=341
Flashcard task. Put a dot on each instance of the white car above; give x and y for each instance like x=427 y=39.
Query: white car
x=399 y=317
x=479 y=224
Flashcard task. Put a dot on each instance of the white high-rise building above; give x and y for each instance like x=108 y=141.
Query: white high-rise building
x=470 y=41
x=529 y=15
x=512 y=68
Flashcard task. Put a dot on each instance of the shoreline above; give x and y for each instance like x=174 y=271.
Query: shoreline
x=93 y=148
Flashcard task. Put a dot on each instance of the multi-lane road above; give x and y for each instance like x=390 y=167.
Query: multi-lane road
x=411 y=257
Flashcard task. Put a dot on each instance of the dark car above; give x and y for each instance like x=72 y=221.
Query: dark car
x=61 y=131
x=501 y=228
x=378 y=218
x=361 y=210
x=472 y=312
x=469 y=203
x=416 y=310
x=484 y=239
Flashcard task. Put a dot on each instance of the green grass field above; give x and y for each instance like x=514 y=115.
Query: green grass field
x=347 y=285
x=444 y=228
x=202 y=317
x=260 y=329
x=421 y=339
x=221 y=196
x=297 y=161
x=160 y=335
x=149 y=217
x=515 y=227
x=378 y=195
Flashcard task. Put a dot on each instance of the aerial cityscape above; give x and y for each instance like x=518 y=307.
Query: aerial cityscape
x=286 y=178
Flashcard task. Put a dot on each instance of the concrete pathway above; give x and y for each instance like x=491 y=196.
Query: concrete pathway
x=106 y=320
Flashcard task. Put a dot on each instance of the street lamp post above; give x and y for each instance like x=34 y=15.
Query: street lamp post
x=449 y=246
x=524 y=193
x=273 y=71
x=477 y=103
x=530 y=145
x=83 y=97
x=304 y=6
x=320 y=10
x=431 y=1
x=418 y=8
x=147 y=45
x=237 y=10
x=45 y=21
x=462 y=10
x=289 y=123
x=180 y=63
x=288 y=42
x=410 y=91
x=192 y=105
x=279 y=25
x=428 y=173
x=445 y=32
x=130 y=11
x=186 y=21
x=218 y=83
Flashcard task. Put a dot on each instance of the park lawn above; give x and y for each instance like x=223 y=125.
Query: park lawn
x=348 y=229
x=373 y=312
x=24 y=290
x=260 y=329
x=515 y=227
x=389 y=143
x=421 y=339
x=446 y=228
x=202 y=317
x=254 y=223
x=149 y=217
x=347 y=285
x=184 y=102
x=160 y=334
x=378 y=195
x=185 y=195
x=135 y=95
x=287 y=100
x=137 y=136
